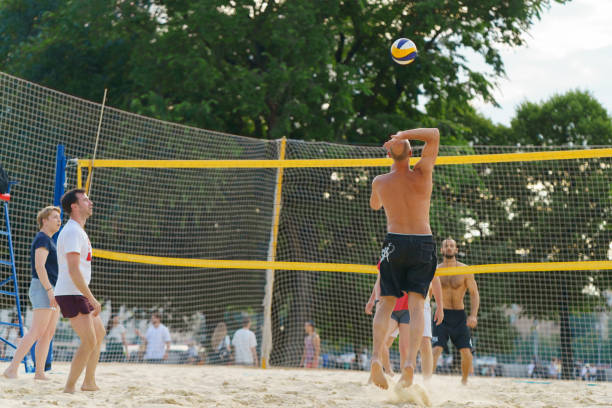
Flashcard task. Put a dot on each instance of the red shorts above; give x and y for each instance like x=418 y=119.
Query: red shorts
x=72 y=305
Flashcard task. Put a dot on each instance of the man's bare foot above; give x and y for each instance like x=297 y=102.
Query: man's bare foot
x=41 y=377
x=377 y=375
x=9 y=375
x=69 y=390
x=464 y=381
x=90 y=387
x=407 y=375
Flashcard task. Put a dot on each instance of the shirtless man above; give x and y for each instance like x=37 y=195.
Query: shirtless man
x=408 y=258
x=456 y=324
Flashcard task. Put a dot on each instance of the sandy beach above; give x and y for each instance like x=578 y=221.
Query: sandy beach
x=163 y=386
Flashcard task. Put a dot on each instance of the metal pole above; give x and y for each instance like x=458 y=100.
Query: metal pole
x=266 y=343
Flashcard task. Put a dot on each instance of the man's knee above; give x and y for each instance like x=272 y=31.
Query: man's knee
x=89 y=339
x=465 y=352
x=100 y=332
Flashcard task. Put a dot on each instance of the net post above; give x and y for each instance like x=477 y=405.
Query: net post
x=266 y=343
x=79 y=175
x=60 y=175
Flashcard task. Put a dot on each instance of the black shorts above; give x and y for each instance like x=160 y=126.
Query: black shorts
x=407 y=264
x=401 y=316
x=454 y=326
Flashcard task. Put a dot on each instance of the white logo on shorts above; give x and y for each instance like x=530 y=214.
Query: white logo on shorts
x=386 y=251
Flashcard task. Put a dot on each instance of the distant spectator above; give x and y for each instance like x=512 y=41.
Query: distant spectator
x=531 y=369
x=554 y=369
x=312 y=347
x=244 y=343
x=116 y=344
x=364 y=360
x=193 y=355
x=221 y=345
x=584 y=372
x=593 y=373
x=156 y=341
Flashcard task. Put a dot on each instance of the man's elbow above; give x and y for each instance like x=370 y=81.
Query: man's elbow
x=434 y=136
x=74 y=272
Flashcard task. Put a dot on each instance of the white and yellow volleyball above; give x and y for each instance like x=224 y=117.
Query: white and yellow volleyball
x=403 y=51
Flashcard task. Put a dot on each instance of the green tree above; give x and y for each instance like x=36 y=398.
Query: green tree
x=78 y=47
x=574 y=117
x=307 y=70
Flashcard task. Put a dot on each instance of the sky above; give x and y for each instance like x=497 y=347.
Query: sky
x=569 y=48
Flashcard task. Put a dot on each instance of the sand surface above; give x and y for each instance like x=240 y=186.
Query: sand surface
x=132 y=385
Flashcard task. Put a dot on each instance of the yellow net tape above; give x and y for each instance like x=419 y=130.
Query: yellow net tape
x=384 y=162
x=351 y=268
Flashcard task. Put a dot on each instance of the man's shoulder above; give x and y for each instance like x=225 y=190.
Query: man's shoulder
x=454 y=265
x=381 y=178
x=69 y=229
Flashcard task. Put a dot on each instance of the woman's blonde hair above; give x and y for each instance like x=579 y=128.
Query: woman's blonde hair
x=218 y=335
x=44 y=214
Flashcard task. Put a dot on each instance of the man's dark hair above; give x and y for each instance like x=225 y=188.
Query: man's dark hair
x=157 y=314
x=69 y=198
x=245 y=321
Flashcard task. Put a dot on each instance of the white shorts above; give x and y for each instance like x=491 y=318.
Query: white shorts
x=427 y=327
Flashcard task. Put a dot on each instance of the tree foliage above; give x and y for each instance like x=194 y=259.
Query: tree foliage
x=305 y=70
x=574 y=117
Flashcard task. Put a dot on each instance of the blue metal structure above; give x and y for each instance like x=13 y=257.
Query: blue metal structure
x=5 y=198
x=58 y=192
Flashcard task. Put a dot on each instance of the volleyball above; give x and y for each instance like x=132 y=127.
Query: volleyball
x=403 y=51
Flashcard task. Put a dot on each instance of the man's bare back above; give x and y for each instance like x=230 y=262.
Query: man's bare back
x=405 y=193
x=405 y=196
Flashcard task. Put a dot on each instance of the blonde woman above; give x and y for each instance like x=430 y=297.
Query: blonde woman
x=220 y=343
x=43 y=255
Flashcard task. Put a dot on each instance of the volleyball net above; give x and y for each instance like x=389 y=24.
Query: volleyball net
x=209 y=227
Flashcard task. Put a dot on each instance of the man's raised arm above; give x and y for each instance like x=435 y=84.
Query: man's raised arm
x=431 y=137
x=375 y=202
